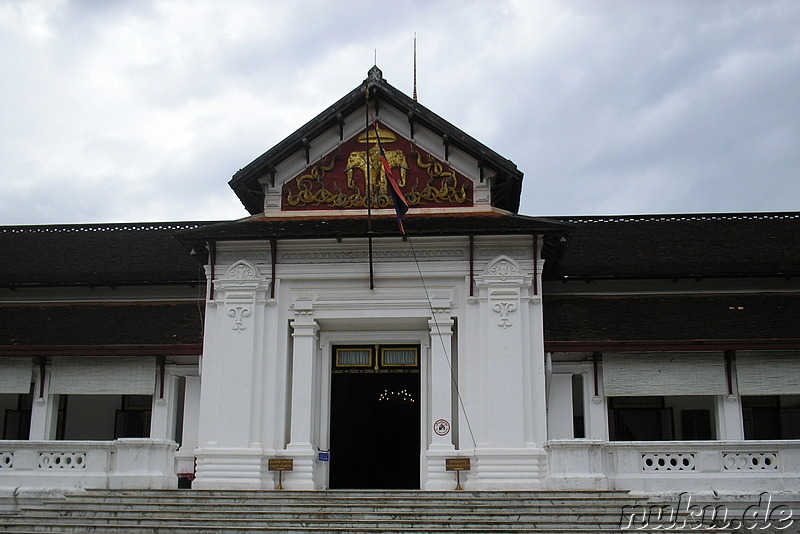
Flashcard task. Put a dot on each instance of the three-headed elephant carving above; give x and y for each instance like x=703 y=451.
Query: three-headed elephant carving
x=377 y=174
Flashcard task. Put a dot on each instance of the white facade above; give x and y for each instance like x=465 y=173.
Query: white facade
x=277 y=353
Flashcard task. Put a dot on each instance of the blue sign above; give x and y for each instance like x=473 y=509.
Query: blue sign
x=324 y=457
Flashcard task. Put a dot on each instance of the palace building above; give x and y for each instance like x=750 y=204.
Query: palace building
x=314 y=344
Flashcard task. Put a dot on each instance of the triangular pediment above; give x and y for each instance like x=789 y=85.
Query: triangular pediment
x=349 y=176
x=327 y=164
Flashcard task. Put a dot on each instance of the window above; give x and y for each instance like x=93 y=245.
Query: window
x=353 y=357
x=771 y=416
x=660 y=418
x=376 y=359
x=578 y=419
x=15 y=410
x=104 y=417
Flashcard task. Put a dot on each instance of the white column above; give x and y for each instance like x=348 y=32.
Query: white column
x=513 y=418
x=303 y=368
x=191 y=419
x=302 y=443
x=44 y=412
x=438 y=425
x=595 y=409
x=535 y=401
x=730 y=422
x=559 y=407
x=441 y=379
x=162 y=418
x=229 y=454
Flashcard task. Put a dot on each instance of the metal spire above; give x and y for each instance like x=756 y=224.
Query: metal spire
x=414 y=94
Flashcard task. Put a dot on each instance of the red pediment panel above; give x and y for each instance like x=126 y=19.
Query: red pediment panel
x=344 y=178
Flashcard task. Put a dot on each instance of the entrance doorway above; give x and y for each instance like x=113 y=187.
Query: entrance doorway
x=375 y=417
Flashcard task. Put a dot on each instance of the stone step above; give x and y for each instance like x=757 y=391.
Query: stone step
x=271 y=495
x=206 y=515
x=343 y=494
x=198 y=512
x=36 y=528
x=323 y=497
x=261 y=515
x=369 y=505
x=249 y=502
x=351 y=522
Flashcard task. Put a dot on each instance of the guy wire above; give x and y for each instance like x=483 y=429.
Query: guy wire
x=453 y=379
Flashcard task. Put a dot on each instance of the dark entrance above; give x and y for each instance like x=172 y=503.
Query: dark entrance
x=375 y=418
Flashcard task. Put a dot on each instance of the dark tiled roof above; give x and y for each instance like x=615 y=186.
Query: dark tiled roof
x=96 y=254
x=693 y=246
x=672 y=317
x=669 y=246
x=456 y=224
x=506 y=186
x=101 y=324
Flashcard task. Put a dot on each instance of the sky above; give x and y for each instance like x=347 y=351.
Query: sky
x=126 y=111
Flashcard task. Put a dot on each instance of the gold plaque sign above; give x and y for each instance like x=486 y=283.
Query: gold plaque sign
x=281 y=464
x=456 y=464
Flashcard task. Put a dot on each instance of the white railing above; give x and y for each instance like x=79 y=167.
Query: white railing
x=123 y=463
x=675 y=466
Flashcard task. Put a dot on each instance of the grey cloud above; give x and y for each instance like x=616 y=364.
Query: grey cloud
x=145 y=109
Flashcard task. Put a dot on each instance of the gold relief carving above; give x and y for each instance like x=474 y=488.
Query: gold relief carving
x=377 y=174
x=333 y=184
x=448 y=192
x=306 y=194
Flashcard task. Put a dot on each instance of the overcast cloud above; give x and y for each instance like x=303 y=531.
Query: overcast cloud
x=142 y=110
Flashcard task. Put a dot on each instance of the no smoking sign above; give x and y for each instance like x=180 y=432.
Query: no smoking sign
x=441 y=427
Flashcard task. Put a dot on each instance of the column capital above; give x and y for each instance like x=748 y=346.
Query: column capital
x=441 y=325
x=304 y=327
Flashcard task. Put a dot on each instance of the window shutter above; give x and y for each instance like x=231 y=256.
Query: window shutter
x=768 y=372
x=103 y=376
x=654 y=374
x=16 y=375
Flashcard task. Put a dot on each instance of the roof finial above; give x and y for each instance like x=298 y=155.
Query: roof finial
x=375 y=74
x=414 y=94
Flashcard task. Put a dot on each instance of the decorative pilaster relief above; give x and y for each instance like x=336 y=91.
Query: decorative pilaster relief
x=501 y=285
x=503 y=270
x=240 y=289
x=502 y=267
x=504 y=309
x=241 y=271
x=239 y=278
x=239 y=313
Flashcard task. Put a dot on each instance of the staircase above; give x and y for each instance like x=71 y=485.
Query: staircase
x=201 y=512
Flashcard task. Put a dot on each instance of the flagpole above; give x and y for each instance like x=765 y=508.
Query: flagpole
x=369 y=188
x=367 y=171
